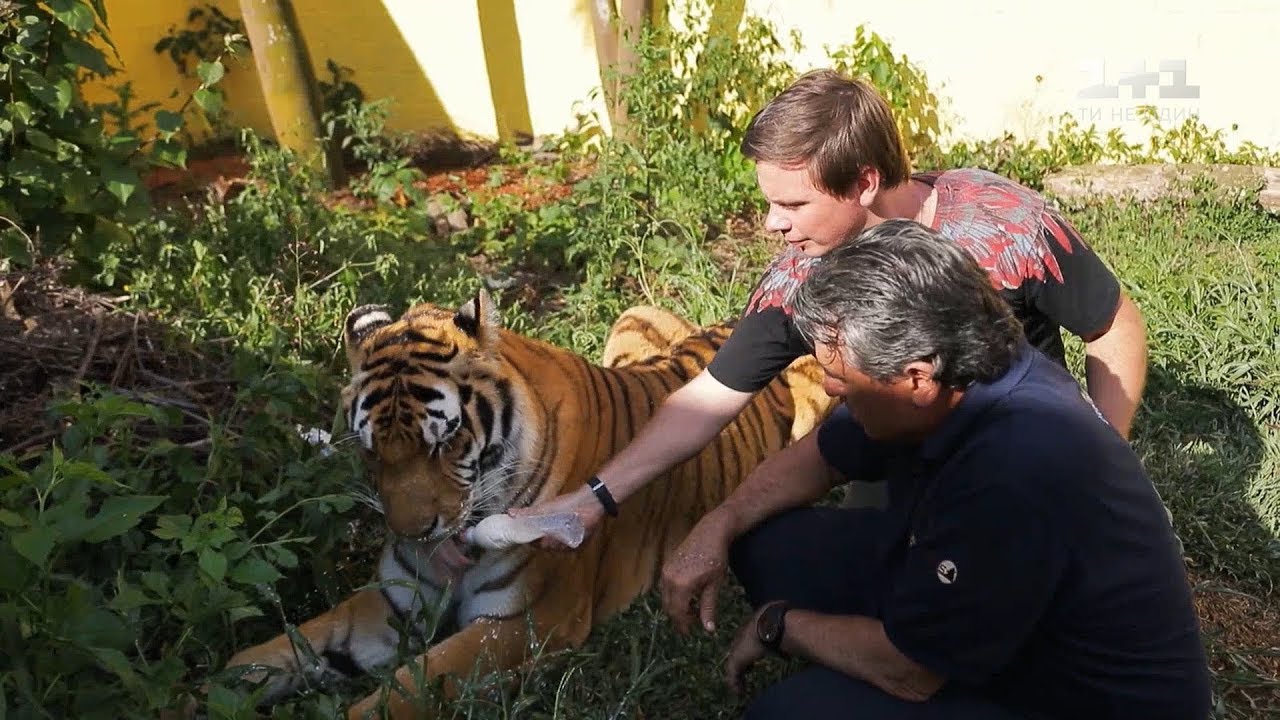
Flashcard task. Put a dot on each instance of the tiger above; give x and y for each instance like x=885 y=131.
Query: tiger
x=458 y=418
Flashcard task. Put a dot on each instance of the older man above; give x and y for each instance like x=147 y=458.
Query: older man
x=1024 y=566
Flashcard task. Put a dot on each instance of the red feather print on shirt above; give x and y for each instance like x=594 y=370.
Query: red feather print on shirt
x=1008 y=228
x=780 y=281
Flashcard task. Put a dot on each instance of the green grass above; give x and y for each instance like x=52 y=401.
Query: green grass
x=1209 y=427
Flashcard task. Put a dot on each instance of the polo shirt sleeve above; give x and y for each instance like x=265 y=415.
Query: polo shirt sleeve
x=845 y=446
x=980 y=573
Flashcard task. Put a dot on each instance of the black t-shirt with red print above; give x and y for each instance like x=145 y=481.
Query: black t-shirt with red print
x=1036 y=259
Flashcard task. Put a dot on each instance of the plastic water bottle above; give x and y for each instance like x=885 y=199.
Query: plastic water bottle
x=502 y=530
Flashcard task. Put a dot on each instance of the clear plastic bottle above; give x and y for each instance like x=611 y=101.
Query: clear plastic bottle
x=503 y=530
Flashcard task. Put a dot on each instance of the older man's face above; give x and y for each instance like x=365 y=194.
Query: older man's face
x=900 y=408
x=885 y=410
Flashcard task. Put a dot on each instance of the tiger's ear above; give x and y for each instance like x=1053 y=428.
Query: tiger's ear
x=360 y=322
x=479 y=317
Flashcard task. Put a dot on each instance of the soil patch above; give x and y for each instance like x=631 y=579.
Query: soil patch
x=58 y=341
x=1242 y=633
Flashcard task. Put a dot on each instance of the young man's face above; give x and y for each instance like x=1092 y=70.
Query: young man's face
x=809 y=219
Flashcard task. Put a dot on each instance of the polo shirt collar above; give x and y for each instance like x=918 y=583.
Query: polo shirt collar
x=977 y=398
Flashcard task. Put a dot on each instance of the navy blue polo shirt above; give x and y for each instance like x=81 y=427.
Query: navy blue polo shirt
x=1030 y=557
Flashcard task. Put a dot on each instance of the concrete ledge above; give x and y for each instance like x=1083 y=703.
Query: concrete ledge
x=1145 y=183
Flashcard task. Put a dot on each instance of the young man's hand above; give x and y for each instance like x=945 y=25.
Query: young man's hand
x=582 y=502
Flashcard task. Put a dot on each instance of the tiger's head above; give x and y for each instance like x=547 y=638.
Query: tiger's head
x=434 y=414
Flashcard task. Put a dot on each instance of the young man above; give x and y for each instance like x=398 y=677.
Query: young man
x=1024 y=567
x=830 y=162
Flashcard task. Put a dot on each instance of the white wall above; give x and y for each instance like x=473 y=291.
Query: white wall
x=985 y=56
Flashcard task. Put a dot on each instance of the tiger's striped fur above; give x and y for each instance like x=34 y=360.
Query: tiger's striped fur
x=460 y=418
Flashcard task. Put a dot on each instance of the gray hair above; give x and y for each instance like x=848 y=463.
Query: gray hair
x=901 y=292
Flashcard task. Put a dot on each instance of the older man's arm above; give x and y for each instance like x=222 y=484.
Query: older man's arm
x=858 y=646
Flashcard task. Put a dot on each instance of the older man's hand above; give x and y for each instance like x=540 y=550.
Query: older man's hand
x=692 y=577
x=746 y=651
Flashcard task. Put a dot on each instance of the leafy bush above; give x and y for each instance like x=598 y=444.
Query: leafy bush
x=904 y=85
x=1028 y=160
x=68 y=182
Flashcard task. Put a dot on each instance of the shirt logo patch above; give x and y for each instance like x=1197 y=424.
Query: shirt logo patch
x=947 y=572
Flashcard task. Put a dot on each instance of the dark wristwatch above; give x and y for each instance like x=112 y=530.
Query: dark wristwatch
x=771 y=623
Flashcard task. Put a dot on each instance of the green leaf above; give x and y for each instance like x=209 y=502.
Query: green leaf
x=210 y=72
x=74 y=14
x=129 y=597
x=119 y=514
x=34 y=169
x=121 y=180
x=254 y=571
x=15 y=572
x=10 y=518
x=214 y=564
x=99 y=628
x=80 y=470
x=172 y=527
x=14 y=246
x=77 y=192
x=57 y=96
x=284 y=556
x=41 y=140
x=107 y=234
x=39 y=86
x=246 y=611
x=21 y=111
x=156 y=582
x=35 y=544
x=84 y=55
x=115 y=661
x=209 y=100
x=168 y=122
x=169 y=153
x=67 y=518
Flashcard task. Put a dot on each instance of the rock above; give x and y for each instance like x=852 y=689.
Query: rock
x=440 y=226
x=1146 y=183
x=458 y=220
x=435 y=208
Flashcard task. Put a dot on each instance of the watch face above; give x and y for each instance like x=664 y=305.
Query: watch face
x=769 y=626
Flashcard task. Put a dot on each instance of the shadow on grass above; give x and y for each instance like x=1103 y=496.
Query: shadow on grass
x=1211 y=460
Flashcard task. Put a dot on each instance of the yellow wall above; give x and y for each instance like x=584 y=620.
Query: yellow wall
x=436 y=58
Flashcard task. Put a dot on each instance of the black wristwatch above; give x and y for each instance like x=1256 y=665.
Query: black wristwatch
x=771 y=624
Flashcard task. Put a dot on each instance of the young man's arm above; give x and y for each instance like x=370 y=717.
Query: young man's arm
x=683 y=425
x=1116 y=366
x=763 y=345
x=1090 y=303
